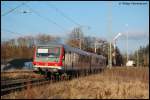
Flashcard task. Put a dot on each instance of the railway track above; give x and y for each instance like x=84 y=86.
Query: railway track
x=17 y=71
x=18 y=84
x=8 y=86
x=27 y=78
x=19 y=74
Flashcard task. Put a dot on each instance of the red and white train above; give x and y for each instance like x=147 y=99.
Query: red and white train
x=62 y=58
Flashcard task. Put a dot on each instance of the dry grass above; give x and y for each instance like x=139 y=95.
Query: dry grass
x=18 y=74
x=115 y=83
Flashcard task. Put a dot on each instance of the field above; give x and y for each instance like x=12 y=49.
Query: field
x=16 y=74
x=114 y=83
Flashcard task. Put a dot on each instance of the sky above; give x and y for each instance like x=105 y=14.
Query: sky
x=98 y=18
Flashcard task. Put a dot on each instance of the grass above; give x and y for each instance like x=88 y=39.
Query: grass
x=115 y=83
x=18 y=74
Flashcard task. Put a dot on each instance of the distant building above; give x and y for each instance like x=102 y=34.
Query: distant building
x=130 y=63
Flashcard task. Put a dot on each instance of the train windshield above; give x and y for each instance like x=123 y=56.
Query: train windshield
x=48 y=54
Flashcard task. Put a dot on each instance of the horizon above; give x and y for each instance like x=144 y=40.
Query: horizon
x=60 y=17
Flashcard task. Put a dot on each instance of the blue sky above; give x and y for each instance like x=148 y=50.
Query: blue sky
x=94 y=14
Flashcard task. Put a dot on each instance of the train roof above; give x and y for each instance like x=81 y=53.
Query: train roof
x=50 y=44
x=72 y=49
x=79 y=51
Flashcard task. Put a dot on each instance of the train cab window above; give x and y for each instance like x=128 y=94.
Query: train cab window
x=48 y=52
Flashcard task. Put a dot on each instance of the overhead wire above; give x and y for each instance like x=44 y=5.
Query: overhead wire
x=47 y=19
x=35 y=12
x=63 y=14
x=7 y=30
x=19 y=34
x=10 y=11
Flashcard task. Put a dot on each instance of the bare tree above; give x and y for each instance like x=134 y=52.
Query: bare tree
x=43 y=38
x=76 y=38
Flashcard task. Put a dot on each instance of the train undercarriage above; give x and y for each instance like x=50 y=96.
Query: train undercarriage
x=55 y=74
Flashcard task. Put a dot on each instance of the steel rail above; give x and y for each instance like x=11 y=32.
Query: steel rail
x=19 y=71
x=17 y=84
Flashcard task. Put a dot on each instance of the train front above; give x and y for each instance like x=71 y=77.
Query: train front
x=48 y=58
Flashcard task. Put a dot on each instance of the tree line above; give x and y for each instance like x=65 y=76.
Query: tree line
x=95 y=45
x=141 y=56
x=23 y=47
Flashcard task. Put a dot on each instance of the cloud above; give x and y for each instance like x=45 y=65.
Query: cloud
x=137 y=35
